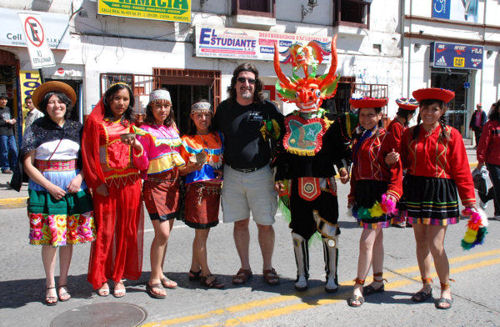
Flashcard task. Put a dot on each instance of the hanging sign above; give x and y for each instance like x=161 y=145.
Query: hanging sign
x=40 y=53
x=172 y=10
x=461 y=56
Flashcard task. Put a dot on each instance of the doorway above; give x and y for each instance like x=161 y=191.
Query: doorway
x=455 y=80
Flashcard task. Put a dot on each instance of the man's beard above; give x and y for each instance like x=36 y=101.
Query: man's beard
x=246 y=94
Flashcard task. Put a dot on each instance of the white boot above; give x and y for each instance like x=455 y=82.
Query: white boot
x=330 y=252
x=301 y=251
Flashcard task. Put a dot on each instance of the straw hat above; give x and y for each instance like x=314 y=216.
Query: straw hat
x=53 y=86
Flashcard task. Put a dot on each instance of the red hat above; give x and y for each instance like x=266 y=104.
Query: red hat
x=407 y=103
x=367 y=102
x=433 y=93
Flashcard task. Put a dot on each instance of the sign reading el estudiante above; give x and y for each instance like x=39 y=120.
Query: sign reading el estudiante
x=233 y=43
x=461 y=56
x=169 y=10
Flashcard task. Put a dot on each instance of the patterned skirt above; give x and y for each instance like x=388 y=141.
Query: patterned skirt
x=58 y=223
x=366 y=194
x=430 y=201
x=162 y=196
x=202 y=205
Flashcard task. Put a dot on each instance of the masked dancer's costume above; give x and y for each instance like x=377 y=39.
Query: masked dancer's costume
x=310 y=147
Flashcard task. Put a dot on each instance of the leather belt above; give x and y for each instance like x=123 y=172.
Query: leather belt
x=245 y=170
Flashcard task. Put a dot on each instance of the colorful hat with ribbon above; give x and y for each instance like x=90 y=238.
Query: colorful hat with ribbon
x=409 y=104
x=434 y=93
x=53 y=86
x=368 y=102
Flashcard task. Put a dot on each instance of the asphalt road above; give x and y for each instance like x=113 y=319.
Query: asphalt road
x=476 y=302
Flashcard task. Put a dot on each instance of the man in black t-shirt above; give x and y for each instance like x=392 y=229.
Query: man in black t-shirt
x=248 y=179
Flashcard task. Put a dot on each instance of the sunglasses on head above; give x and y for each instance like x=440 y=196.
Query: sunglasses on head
x=243 y=79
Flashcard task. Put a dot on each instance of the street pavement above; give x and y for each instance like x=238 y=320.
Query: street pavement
x=476 y=273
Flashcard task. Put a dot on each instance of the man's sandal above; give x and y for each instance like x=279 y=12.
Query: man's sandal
x=168 y=283
x=194 y=275
x=150 y=289
x=242 y=276
x=50 y=300
x=63 y=293
x=211 y=281
x=368 y=290
x=271 y=277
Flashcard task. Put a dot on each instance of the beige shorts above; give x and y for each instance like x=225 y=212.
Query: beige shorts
x=253 y=192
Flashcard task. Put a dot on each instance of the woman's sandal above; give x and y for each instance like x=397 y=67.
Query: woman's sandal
x=242 y=276
x=368 y=290
x=447 y=302
x=194 y=275
x=63 y=293
x=103 y=290
x=211 y=281
x=50 y=300
x=422 y=296
x=150 y=290
x=356 y=300
x=121 y=292
x=168 y=283
x=271 y=277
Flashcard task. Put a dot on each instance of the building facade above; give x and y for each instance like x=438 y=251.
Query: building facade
x=453 y=44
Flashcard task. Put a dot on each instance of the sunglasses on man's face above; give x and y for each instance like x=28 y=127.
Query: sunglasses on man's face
x=243 y=79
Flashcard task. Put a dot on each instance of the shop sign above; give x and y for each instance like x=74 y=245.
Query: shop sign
x=461 y=56
x=232 y=43
x=460 y=10
x=40 y=53
x=170 y=10
x=54 y=25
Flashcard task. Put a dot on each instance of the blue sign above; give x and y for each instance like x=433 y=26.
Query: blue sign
x=460 y=56
x=441 y=9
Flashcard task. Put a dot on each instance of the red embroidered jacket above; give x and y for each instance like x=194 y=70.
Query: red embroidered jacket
x=488 y=149
x=430 y=155
x=369 y=164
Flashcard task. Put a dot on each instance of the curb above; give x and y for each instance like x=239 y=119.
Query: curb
x=13 y=203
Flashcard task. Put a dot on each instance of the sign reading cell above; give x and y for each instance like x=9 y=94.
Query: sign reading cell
x=40 y=53
x=451 y=55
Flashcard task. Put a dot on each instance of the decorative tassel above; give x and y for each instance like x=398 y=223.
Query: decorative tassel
x=476 y=228
x=387 y=207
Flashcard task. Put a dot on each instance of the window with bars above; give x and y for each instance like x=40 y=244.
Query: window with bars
x=254 y=7
x=352 y=13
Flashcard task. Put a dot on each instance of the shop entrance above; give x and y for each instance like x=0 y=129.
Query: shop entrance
x=455 y=80
x=8 y=76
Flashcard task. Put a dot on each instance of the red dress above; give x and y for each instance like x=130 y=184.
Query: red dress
x=117 y=251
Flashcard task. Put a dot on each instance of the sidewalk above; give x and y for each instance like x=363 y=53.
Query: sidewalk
x=11 y=199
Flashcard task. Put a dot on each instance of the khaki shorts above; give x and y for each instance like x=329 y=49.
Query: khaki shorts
x=253 y=192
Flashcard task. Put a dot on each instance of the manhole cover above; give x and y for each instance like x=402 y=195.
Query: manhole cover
x=101 y=314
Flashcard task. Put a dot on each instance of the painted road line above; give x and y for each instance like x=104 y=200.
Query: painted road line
x=312 y=292
x=294 y=308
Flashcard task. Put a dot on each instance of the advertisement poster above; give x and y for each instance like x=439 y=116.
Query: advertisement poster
x=29 y=80
x=460 y=10
x=232 y=43
x=461 y=56
x=169 y=10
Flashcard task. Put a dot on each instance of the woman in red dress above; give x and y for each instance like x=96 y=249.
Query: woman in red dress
x=112 y=158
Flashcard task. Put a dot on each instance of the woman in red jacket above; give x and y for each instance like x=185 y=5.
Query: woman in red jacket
x=371 y=182
x=436 y=162
x=488 y=152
